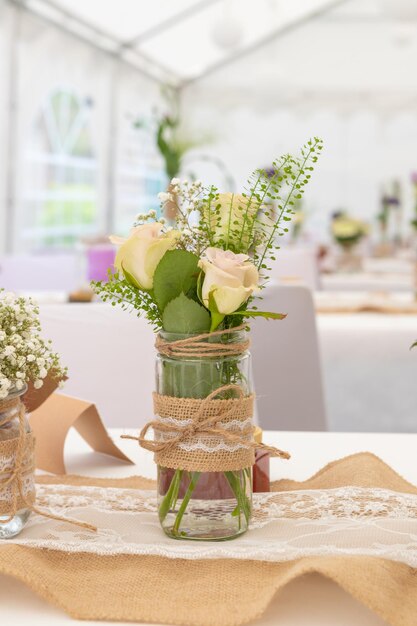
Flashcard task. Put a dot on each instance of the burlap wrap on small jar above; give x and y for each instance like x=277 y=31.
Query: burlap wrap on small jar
x=17 y=465
x=17 y=461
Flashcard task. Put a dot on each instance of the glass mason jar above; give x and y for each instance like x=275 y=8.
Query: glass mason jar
x=10 y=429
x=211 y=506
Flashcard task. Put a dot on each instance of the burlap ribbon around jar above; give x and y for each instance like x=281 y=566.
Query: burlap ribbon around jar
x=17 y=466
x=209 y=434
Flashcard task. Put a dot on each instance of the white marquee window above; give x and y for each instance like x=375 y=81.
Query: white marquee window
x=60 y=200
x=140 y=175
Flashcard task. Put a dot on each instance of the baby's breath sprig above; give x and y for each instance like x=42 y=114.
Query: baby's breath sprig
x=24 y=355
x=188 y=199
x=150 y=216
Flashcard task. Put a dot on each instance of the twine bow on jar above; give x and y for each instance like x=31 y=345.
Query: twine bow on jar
x=20 y=462
x=223 y=421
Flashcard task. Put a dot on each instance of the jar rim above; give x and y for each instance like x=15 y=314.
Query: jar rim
x=234 y=335
x=16 y=393
x=235 y=345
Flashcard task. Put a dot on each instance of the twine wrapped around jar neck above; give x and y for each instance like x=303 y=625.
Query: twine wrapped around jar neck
x=21 y=451
x=198 y=346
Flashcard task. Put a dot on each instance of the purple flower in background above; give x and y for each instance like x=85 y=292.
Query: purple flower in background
x=270 y=171
x=414 y=178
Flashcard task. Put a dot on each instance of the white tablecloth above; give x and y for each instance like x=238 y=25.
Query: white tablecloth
x=323 y=603
x=369 y=372
x=367 y=281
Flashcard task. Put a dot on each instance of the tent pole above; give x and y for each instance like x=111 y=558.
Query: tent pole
x=281 y=31
x=99 y=33
x=110 y=213
x=88 y=41
x=11 y=163
x=167 y=24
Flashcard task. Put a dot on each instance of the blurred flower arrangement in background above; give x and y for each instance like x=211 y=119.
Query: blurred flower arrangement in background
x=172 y=139
x=348 y=231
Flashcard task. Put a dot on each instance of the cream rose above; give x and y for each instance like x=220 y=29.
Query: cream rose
x=229 y=278
x=141 y=252
x=229 y=223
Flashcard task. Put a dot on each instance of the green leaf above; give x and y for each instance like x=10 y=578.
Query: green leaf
x=183 y=315
x=131 y=279
x=414 y=345
x=199 y=289
x=177 y=272
x=266 y=314
x=216 y=317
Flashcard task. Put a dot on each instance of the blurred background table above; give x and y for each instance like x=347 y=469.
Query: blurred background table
x=369 y=371
x=367 y=281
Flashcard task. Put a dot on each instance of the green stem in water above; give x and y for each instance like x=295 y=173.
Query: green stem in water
x=193 y=482
x=175 y=498
x=171 y=496
x=243 y=503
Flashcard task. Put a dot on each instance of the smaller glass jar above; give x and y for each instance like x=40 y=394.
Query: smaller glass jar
x=10 y=429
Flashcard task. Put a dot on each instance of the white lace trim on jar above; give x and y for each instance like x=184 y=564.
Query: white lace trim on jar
x=206 y=443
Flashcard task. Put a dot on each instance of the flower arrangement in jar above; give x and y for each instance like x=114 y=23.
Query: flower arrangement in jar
x=195 y=280
x=348 y=232
x=25 y=359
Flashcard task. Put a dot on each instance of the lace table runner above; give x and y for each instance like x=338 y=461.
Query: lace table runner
x=288 y=525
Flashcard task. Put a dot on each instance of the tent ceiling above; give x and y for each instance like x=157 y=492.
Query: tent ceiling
x=184 y=41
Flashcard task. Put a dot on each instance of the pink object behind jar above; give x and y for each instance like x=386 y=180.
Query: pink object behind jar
x=99 y=259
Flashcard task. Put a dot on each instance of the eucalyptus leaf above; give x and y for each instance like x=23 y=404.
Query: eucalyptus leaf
x=176 y=273
x=183 y=315
x=216 y=317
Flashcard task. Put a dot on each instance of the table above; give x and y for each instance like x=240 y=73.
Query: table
x=323 y=603
x=394 y=303
x=367 y=281
x=369 y=372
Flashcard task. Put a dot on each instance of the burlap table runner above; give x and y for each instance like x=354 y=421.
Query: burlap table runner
x=125 y=587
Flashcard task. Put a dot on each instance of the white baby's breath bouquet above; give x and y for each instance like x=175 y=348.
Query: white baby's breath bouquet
x=201 y=272
x=25 y=357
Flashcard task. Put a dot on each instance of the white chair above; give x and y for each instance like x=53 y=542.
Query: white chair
x=110 y=357
x=286 y=362
x=296 y=265
x=31 y=273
